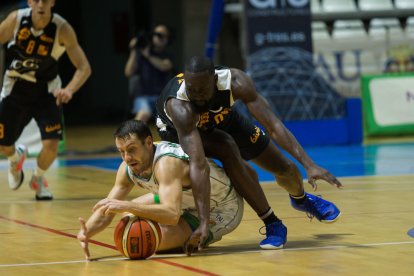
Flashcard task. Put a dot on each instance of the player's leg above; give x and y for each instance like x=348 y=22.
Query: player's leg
x=289 y=177
x=174 y=236
x=286 y=172
x=228 y=212
x=45 y=158
x=254 y=145
x=48 y=117
x=13 y=118
x=222 y=146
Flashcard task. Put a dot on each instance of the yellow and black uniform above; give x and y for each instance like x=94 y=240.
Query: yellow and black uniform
x=250 y=139
x=30 y=78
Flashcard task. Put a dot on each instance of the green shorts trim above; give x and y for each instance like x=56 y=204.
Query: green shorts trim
x=194 y=222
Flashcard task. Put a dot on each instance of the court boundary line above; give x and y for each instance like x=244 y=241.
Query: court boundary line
x=54 y=231
x=332 y=247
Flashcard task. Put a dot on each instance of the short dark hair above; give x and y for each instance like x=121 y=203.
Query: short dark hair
x=133 y=127
x=198 y=64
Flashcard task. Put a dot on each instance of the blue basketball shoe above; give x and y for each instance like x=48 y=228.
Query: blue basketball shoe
x=315 y=206
x=276 y=234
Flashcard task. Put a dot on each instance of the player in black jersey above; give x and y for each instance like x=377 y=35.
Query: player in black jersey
x=36 y=38
x=195 y=109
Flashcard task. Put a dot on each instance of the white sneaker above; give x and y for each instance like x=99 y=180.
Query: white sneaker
x=39 y=184
x=16 y=174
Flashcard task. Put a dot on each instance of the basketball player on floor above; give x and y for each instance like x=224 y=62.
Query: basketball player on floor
x=195 y=110
x=163 y=169
x=36 y=39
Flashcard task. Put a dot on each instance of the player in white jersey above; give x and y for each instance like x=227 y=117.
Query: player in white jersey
x=162 y=169
x=36 y=38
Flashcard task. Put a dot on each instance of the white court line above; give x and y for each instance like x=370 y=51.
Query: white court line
x=166 y=256
x=330 y=247
x=63 y=262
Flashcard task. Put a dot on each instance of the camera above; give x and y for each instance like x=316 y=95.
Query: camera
x=142 y=41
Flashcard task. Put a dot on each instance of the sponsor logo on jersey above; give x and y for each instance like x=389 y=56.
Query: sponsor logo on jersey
x=217 y=116
x=45 y=38
x=23 y=34
x=25 y=65
x=42 y=50
x=52 y=128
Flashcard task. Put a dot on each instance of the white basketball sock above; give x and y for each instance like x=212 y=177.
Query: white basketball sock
x=38 y=172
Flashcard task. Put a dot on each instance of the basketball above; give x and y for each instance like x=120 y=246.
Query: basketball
x=137 y=238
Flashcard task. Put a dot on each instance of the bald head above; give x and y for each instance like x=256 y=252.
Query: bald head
x=198 y=64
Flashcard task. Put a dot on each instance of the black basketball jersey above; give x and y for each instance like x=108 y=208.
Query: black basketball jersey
x=220 y=112
x=32 y=55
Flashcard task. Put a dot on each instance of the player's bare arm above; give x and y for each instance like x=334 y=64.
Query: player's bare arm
x=78 y=58
x=169 y=173
x=243 y=88
x=98 y=221
x=185 y=121
x=7 y=27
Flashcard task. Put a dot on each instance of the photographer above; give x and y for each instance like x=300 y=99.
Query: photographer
x=149 y=67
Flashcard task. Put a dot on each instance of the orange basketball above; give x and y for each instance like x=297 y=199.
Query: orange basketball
x=137 y=238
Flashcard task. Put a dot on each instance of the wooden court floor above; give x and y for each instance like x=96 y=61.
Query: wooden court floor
x=372 y=237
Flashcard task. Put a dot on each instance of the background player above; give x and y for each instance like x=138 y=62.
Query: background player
x=36 y=39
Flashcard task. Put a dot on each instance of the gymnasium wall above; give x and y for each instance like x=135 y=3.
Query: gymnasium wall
x=105 y=27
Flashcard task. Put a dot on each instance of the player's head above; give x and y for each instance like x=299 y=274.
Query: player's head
x=200 y=82
x=41 y=8
x=133 y=140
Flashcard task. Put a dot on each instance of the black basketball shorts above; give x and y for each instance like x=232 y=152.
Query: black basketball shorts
x=251 y=139
x=26 y=101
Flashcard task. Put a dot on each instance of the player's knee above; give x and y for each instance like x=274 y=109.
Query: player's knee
x=287 y=170
x=229 y=150
x=51 y=146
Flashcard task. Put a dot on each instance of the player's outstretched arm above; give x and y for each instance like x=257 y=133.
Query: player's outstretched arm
x=185 y=121
x=243 y=88
x=98 y=221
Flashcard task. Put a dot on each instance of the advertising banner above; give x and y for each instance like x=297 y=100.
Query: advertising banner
x=388 y=103
x=281 y=23
x=280 y=61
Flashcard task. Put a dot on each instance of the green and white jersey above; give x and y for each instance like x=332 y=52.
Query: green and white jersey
x=226 y=206
x=221 y=187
